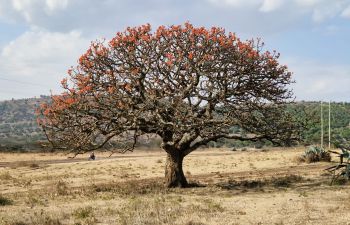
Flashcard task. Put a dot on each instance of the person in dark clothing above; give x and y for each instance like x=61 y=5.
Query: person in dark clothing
x=92 y=156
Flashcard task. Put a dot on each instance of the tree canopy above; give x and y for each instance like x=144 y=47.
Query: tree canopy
x=185 y=84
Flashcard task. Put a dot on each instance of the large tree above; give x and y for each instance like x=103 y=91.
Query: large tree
x=187 y=85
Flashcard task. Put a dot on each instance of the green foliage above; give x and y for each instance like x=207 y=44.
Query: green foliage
x=340 y=121
x=314 y=150
x=308 y=113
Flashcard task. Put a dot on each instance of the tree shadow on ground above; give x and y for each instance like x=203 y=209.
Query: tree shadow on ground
x=292 y=182
x=201 y=186
x=274 y=182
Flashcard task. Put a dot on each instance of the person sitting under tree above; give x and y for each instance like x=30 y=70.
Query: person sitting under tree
x=92 y=156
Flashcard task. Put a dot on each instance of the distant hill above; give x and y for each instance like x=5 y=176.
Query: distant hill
x=18 y=127
x=19 y=130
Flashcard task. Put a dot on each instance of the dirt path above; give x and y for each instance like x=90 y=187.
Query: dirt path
x=73 y=160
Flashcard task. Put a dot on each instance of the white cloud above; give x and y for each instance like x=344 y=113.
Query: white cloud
x=236 y=3
x=327 y=11
x=308 y=3
x=31 y=6
x=30 y=10
x=106 y=16
x=53 y=5
x=346 y=12
x=319 y=81
x=320 y=10
x=39 y=57
x=271 y=5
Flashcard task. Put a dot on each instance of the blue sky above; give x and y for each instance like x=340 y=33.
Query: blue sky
x=41 y=39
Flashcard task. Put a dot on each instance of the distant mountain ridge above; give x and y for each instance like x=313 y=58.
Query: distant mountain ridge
x=19 y=130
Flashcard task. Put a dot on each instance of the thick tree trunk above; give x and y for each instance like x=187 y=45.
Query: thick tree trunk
x=174 y=175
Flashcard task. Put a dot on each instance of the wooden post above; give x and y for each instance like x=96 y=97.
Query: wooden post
x=321 y=124
x=329 y=124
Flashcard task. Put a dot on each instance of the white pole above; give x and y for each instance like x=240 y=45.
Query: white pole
x=321 y=124
x=329 y=124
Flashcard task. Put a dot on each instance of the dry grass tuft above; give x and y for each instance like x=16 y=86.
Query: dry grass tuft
x=85 y=215
x=341 y=181
x=165 y=210
x=149 y=212
x=5 y=201
x=61 y=188
x=5 y=176
x=33 y=200
x=37 y=219
x=194 y=223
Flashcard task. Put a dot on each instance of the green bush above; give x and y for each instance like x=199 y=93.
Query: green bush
x=315 y=154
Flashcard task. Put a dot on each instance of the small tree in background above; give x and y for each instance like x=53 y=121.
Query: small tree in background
x=187 y=85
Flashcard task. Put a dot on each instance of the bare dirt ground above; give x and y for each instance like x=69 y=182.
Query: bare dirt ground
x=242 y=187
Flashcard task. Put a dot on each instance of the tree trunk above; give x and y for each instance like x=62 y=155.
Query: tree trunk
x=174 y=175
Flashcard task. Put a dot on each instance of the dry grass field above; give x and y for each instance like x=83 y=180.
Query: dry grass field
x=229 y=187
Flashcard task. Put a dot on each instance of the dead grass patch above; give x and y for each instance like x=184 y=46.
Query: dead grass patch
x=165 y=210
x=5 y=176
x=37 y=219
x=84 y=216
x=58 y=188
x=32 y=200
x=61 y=188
